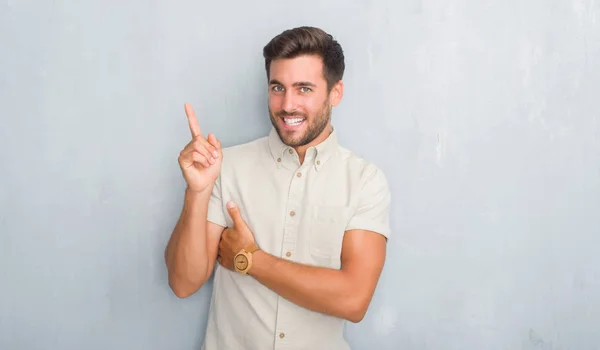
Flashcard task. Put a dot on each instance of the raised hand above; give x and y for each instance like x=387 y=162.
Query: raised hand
x=201 y=159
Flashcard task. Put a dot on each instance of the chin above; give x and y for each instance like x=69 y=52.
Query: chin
x=292 y=141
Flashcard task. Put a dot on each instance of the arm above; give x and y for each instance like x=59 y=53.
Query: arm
x=344 y=293
x=347 y=292
x=192 y=249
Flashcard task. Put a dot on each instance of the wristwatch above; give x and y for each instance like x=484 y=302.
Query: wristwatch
x=242 y=262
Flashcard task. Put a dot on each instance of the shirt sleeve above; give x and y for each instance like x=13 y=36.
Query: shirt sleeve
x=373 y=208
x=216 y=212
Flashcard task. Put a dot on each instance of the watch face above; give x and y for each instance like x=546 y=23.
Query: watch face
x=241 y=262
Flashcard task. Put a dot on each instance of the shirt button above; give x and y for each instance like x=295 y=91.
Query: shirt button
x=292 y=213
x=291 y=151
x=279 y=160
x=318 y=162
x=288 y=254
x=281 y=335
x=299 y=174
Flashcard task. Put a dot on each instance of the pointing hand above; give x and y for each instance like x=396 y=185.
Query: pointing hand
x=201 y=159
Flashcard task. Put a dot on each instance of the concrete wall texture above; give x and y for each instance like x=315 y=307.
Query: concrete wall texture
x=483 y=114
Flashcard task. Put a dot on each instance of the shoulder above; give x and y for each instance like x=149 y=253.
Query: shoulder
x=244 y=155
x=371 y=195
x=245 y=150
x=242 y=149
x=364 y=169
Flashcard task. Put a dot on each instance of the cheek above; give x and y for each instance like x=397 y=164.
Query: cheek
x=274 y=102
x=313 y=106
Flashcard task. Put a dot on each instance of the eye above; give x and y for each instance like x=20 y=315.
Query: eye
x=277 y=88
x=305 y=89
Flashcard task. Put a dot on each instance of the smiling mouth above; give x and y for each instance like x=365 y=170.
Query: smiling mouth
x=293 y=121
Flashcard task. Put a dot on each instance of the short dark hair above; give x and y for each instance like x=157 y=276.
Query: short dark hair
x=308 y=41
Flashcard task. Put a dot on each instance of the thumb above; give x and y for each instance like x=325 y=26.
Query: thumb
x=234 y=212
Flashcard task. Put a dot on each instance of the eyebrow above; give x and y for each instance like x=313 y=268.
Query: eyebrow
x=296 y=84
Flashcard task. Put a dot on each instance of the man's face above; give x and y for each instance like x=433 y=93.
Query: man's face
x=299 y=102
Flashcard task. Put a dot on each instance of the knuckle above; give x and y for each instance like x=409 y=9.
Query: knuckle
x=202 y=150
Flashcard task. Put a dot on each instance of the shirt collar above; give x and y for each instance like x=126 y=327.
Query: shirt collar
x=318 y=155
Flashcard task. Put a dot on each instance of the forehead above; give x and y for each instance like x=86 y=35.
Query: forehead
x=301 y=68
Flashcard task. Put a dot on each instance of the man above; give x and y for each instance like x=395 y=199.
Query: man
x=297 y=224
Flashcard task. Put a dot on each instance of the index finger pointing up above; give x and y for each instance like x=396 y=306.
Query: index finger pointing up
x=192 y=120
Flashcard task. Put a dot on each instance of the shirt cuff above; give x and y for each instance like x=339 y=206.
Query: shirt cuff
x=369 y=225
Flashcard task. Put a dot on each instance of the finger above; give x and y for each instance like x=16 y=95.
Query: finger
x=198 y=146
x=234 y=212
x=199 y=158
x=189 y=159
x=202 y=147
x=192 y=120
x=211 y=145
x=186 y=160
x=194 y=145
x=215 y=143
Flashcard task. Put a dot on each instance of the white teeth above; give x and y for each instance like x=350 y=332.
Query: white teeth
x=293 y=121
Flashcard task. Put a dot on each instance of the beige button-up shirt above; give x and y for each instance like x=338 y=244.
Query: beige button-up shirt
x=297 y=212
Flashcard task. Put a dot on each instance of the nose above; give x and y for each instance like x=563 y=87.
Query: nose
x=289 y=102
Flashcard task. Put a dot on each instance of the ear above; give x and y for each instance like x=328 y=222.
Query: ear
x=336 y=94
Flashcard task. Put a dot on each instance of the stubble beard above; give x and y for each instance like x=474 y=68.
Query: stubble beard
x=313 y=130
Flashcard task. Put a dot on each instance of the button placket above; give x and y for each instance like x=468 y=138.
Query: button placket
x=289 y=234
x=292 y=220
x=285 y=324
x=293 y=215
x=283 y=318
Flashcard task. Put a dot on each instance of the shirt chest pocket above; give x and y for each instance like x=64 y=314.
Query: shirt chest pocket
x=327 y=233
